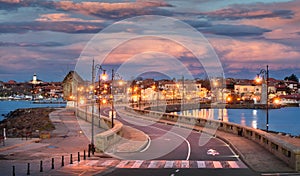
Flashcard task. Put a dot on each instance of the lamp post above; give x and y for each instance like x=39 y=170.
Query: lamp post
x=92 y=146
x=104 y=77
x=265 y=72
x=112 y=98
x=113 y=75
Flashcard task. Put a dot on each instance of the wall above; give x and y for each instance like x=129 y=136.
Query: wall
x=105 y=139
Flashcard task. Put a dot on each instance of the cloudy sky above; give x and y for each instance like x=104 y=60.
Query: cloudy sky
x=48 y=36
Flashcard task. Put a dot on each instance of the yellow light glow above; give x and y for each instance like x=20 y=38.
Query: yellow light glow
x=258 y=79
x=104 y=77
x=229 y=99
x=276 y=101
x=104 y=101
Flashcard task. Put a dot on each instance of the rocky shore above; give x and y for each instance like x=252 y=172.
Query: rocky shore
x=27 y=122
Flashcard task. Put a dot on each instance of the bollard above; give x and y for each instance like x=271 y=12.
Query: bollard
x=89 y=151
x=71 y=159
x=41 y=166
x=14 y=171
x=52 y=163
x=93 y=148
x=62 y=161
x=28 y=168
x=84 y=155
x=78 y=157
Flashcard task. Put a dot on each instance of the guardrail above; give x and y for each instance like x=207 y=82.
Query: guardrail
x=105 y=139
x=287 y=152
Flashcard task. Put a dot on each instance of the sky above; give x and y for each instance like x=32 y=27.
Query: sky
x=48 y=37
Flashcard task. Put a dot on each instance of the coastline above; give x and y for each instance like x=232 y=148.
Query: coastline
x=27 y=122
x=9 y=106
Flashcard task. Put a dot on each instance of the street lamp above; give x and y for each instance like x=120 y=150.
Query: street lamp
x=99 y=67
x=102 y=76
x=113 y=75
x=264 y=72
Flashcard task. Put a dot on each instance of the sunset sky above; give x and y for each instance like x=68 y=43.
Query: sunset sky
x=47 y=36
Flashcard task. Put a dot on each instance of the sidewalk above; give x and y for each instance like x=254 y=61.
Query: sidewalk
x=71 y=135
x=11 y=143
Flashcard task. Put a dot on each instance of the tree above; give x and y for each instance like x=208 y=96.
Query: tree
x=293 y=77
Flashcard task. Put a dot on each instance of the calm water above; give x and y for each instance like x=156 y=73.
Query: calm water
x=285 y=120
x=7 y=106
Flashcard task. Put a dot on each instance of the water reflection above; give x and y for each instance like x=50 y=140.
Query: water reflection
x=214 y=114
x=254 y=120
x=281 y=120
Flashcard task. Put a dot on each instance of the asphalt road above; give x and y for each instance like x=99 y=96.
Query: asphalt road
x=174 y=143
x=171 y=143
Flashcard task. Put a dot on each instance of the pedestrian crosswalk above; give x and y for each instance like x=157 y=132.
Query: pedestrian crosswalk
x=162 y=164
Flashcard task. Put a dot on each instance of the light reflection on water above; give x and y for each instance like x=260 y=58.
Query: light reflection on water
x=285 y=120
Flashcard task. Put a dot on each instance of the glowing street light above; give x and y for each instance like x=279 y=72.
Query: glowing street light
x=264 y=72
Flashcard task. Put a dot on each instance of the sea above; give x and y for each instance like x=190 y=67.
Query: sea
x=285 y=120
x=8 y=106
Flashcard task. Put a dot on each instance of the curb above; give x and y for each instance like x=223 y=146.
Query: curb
x=137 y=149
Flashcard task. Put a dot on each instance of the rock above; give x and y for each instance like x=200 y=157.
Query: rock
x=22 y=122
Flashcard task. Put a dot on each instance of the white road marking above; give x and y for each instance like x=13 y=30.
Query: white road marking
x=148 y=145
x=201 y=164
x=122 y=164
x=169 y=164
x=217 y=164
x=137 y=164
x=185 y=164
x=233 y=164
x=153 y=164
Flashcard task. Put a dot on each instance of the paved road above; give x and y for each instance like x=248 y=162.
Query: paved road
x=174 y=143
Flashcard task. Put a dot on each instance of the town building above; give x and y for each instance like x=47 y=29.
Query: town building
x=71 y=82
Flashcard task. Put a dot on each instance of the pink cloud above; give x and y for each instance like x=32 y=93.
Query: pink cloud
x=11 y=1
x=282 y=28
x=62 y=17
x=116 y=9
x=144 y=45
x=251 y=54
